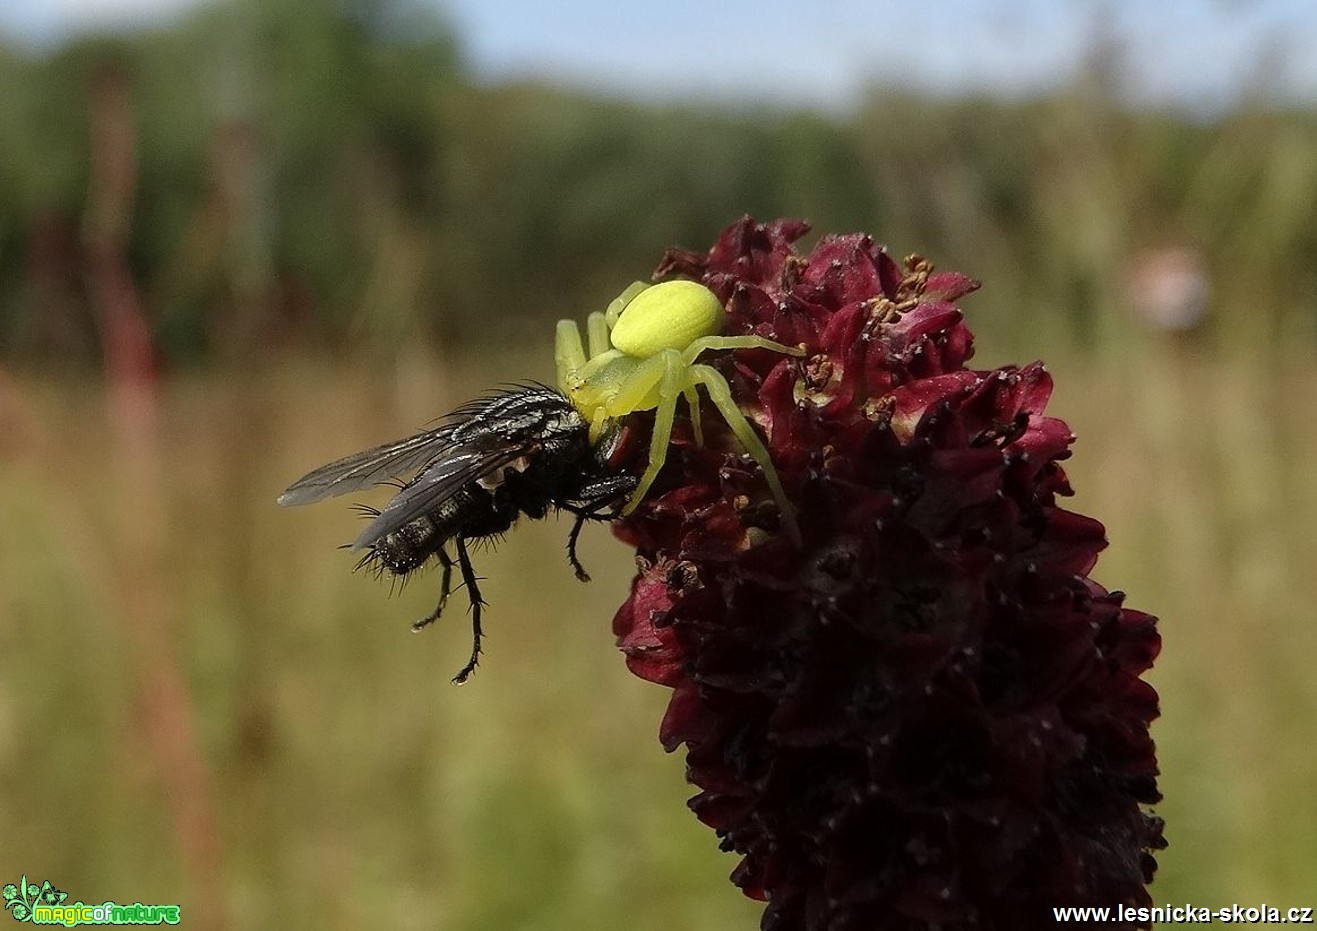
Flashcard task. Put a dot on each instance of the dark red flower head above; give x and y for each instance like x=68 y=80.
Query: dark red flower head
x=925 y=715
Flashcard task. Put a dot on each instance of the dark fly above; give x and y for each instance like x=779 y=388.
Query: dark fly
x=521 y=451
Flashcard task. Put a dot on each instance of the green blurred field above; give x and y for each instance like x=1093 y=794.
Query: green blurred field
x=352 y=786
x=351 y=783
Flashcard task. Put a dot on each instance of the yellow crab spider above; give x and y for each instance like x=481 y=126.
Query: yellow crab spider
x=642 y=356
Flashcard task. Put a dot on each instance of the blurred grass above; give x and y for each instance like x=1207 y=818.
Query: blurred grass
x=1201 y=470
x=353 y=786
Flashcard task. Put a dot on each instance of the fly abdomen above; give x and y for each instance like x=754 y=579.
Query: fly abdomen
x=408 y=547
x=469 y=512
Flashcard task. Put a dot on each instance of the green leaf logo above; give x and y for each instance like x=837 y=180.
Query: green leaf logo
x=20 y=900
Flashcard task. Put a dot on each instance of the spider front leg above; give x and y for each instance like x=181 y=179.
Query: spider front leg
x=665 y=369
x=596 y=334
x=721 y=396
x=568 y=351
x=618 y=304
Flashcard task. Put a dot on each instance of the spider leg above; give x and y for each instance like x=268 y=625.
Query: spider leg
x=618 y=304
x=568 y=351
x=596 y=334
x=635 y=382
x=445 y=587
x=698 y=346
x=692 y=352
x=473 y=593
x=669 y=386
x=721 y=396
x=693 y=405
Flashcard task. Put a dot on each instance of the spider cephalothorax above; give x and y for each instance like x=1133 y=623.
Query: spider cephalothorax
x=642 y=356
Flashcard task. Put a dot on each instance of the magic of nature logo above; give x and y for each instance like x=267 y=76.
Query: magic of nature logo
x=45 y=905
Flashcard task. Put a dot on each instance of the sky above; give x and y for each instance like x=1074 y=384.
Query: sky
x=1199 y=54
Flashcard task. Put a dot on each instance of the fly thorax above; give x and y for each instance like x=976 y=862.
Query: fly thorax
x=494 y=480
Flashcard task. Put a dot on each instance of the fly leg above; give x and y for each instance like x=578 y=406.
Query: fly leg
x=473 y=593
x=445 y=587
x=595 y=497
x=581 y=518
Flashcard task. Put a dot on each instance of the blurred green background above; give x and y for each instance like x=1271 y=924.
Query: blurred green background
x=253 y=236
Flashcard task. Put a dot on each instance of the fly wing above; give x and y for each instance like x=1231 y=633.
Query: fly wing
x=477 y=442
x=457 y=468
x=501 y=430
x=370 y=467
